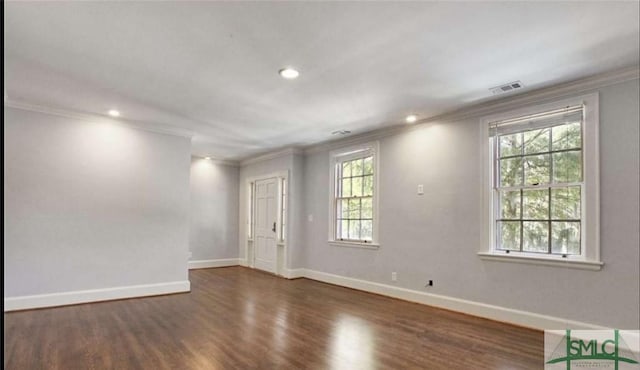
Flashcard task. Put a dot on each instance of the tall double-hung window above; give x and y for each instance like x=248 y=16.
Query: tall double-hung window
x=354 y=194
x=543 y=198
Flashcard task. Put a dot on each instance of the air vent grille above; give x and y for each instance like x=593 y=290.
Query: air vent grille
x=341 y=132
x=511 y=86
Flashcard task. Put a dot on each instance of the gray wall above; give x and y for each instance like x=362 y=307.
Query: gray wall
x=437 y=235
x=213 y=230
x=91 y=205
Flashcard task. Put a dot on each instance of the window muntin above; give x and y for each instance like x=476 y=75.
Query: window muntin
x=354 y=192
x=538 y=187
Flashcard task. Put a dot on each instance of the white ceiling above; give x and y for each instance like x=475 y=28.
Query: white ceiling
x=211 y=67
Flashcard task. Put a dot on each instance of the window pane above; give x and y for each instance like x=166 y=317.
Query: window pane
x=366 y=230
x=510 y=204
x=343 y=207
x=567 y=166
x=356 y=186
x=368 y=166
x=535 y=236
x=511 y=172
x=509 y=235
x=346 y=169
x=565 y=237
x=368 y=186
x=567 y=136
x=565 y=203
x=346 y=187
x=354 y=208
x=367 y=208
x=510 y=145
x=343 y=232
x=535 y=204
x=537 y=169
x=354 y=229
x=536 y=141
x=356 y=167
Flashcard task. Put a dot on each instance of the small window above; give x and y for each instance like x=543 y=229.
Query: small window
x=354 y=195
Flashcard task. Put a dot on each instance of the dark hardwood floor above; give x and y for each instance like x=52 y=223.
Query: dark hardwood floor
x=238 y=318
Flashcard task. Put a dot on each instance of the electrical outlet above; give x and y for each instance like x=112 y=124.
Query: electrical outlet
x=420 y=189
x=310 y=218
x=394 y=276
x=190 y=255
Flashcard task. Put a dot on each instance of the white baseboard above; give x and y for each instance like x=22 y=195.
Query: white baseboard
x=294 y=273
x=94 y=295
x=243 y=262
x=508 y=315
x=205 y=264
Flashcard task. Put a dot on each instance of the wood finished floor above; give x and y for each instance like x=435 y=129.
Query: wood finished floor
x=238 y=318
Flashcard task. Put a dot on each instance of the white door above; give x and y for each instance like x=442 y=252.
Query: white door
x=266 y=250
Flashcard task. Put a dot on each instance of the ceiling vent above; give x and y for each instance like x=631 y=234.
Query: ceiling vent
x=511 y=86
x=341 y=132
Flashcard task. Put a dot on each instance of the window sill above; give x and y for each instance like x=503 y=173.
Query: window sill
x=545 y=261
x=339 y=243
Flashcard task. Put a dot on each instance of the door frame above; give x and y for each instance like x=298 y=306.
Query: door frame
x=282 y=241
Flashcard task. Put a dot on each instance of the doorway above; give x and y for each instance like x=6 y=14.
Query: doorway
x=266 y=247
x=266 y=223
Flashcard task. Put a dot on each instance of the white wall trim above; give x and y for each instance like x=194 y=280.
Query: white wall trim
x=94 y=295
x=271 y=155
x=556 y=262
x=243 y=262
x=525 y=98
x=140 y=125
x=205 y=264
x=503 y=314
x=294 y=273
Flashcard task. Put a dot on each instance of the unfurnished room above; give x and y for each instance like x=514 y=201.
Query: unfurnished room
x=321 y=185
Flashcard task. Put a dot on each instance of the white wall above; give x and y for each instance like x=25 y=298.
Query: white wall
x=213 y=230
x=91 y=205
x=437 y=235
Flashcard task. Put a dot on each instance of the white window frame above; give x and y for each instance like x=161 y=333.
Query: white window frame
x=345 y=154
x=590 y=205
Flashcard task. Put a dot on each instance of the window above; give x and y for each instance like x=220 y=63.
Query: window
x=250 y=206
x=283 y=209
x=354 y=187
x=543 y=171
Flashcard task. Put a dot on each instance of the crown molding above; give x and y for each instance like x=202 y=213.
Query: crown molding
x=271 y=155
x=140 y=125
x=223 y=162
x=538 y=96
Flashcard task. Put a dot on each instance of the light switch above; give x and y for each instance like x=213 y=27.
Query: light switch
x=420 y=189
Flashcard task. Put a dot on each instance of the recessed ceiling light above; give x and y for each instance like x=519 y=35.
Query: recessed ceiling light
x=411 y=118
x=289 y=73
x=207 y=158
x=114 y=113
